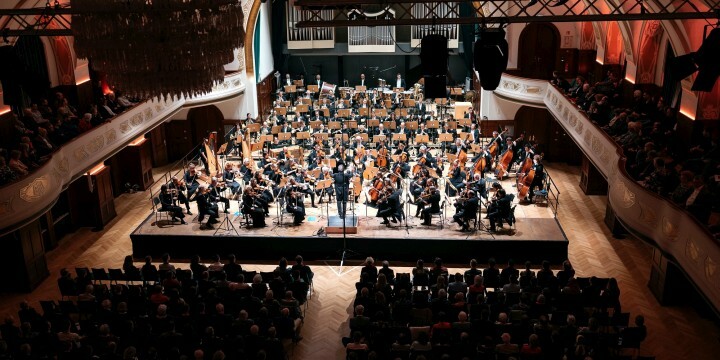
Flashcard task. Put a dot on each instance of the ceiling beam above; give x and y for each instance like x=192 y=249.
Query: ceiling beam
x=504 y=20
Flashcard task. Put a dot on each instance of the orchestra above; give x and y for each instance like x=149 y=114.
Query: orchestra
x=393 y=138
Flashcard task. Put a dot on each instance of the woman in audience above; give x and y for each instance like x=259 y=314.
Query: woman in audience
x=422 y=344
x=258 y=287
x=532 y=349
x=357 y=343
x=197 y=267
x=149 y=271
x=166 y=265
x=383 y=286
x=131 y=271
x=7 y=175
x=611 y=295
x=217 y=264
x=420 y=274
x=682 y=192
x=16 y=165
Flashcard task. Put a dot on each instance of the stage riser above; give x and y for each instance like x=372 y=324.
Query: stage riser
x=329 y=248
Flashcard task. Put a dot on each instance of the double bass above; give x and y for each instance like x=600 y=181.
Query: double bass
x=495 y=147
x=504 y=163
x=524 y=183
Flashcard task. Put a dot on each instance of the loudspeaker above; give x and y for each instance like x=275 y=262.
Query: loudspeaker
x=708 y=62
x=435 y=87
x=434 y=55
x=491 y=56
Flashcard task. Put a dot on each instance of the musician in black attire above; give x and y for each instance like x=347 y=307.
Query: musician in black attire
x=251 y=205
x=457 y=179
x=500 y=208
x=467 y=212
x=390 y=206
x=215 y=191
x=206 y=207
x=478 y=185
x=229 y=178
x=246 y=170
x=191 y=181
x=417 y=187
x=537 y=179
x=166 y=202
x=488 y=159
x=181 y=188
x=305 y=185
x=434 y=205
x=341 y=179
x=402 y=166
x=294 y=203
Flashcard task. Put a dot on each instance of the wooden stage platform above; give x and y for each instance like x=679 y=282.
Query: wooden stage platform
x=536 y=236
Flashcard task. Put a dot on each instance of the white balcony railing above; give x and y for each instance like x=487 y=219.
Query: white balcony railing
x=644 y=213
x=33 y=195
x=523 y=90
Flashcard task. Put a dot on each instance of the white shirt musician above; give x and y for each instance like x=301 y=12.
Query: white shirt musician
x=318 y=81
x=288 y=80
x=400 y=82
x=362 y=80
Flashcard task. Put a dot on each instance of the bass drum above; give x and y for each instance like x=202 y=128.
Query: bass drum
x=328 y=89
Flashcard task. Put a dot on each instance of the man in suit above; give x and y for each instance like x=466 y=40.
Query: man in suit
x=206 y=207
x=502 y=208
x=467 y=212
x=167 y=205
x=288 y=80
x=390 y=207
x=699 y=203
x=181 y=191
x=215 y=191
x=537 y=179
x=434 y=206
x=341 y=179
x=362 y=80
x=474 y=134
x=399 y=82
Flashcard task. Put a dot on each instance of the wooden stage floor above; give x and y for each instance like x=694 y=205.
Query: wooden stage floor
x=536 y=236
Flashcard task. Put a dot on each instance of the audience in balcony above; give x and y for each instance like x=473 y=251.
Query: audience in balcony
x=645 y=127
x=42 y=129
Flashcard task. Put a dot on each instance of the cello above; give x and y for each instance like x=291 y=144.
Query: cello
x=382 y=159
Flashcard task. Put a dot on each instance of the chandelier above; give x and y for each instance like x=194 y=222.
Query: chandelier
x=159 y=47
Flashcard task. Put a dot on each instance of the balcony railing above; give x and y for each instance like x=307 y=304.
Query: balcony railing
x=30 y=197
x=523 y=90
x=678 y=234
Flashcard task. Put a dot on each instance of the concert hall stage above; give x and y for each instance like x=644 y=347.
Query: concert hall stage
x=532 y=238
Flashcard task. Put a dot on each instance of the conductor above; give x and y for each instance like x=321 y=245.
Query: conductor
x=341 y=180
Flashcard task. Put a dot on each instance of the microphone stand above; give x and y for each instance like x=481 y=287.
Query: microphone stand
x=407 y=210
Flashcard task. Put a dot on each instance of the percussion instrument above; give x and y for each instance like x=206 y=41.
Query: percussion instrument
x=327 y=89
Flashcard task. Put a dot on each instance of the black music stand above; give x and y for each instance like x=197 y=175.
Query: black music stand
x=407 y=211
x=227 y=226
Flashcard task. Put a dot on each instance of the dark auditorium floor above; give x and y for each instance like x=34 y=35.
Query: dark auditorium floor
x=673 y=332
